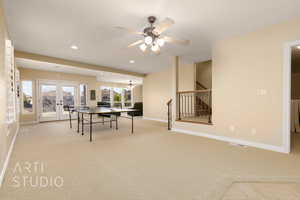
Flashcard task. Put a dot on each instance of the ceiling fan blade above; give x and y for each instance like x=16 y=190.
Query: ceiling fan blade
x=129 y=30
x=136 y=43
x=177 y=41
x=163 y=25
x=157 y=52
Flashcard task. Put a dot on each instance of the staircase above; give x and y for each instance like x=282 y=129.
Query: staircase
x=195 y=106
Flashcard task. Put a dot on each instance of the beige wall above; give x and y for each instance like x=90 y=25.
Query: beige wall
x=157 y=91
x=186 y=76
x=7 y=132
x=138 y=93
x=34 y=75
x=204 y=73
x=247 y=85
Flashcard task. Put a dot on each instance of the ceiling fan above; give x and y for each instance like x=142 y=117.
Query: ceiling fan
x=152 y=35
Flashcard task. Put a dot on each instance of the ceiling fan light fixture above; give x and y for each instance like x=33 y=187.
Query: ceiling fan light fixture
x=153 y=36
x=155 y=47
x=148 y=40
x=160 y=42
x=143 y=47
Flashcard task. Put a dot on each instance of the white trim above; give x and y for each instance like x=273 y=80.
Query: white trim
x=53 y=81
x=29 y=123
x=232 y=140
x=286 y=107
x=155 y=119
x=8 y=157
x=37 y=100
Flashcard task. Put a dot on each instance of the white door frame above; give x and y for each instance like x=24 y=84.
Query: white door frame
x=76 y=99
x=58 y=83
x=39 y=102
x=287 y=75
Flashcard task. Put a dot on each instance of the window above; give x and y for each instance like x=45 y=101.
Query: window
x=105 y=94
x=127 y=97
x=27 y=97
x=83 y=94
x=117 y=97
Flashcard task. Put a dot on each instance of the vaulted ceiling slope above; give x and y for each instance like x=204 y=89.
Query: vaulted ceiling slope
x=51 y=27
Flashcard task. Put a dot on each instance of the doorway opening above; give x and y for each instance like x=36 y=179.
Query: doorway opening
x=295 y=98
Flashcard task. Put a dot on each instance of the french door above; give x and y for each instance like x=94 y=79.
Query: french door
x=53 y=96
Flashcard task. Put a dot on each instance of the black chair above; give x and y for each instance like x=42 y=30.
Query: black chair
x=103 y=104
x=70 y=111
x=139 y=107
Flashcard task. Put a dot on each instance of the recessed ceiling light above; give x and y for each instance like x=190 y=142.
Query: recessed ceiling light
x=298 y=47
x=132 y=61
x=74 y=47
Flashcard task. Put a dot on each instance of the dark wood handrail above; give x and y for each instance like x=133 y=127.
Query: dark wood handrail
x=198 y=83
x=194 y=91
x=169 y=102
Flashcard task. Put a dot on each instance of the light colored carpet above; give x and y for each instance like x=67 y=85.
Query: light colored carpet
x=151 y=164
x=263 y=191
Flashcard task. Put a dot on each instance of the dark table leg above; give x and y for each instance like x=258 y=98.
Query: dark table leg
x=110 y=122
x=91 y=118
x=132 y=124
x=82 y=122
x=103 y=120
x=78 y=122
x=70 y=117
x=117 y=121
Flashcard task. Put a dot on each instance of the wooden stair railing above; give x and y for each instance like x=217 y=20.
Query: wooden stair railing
x=201 y=103
x=202 y=87
x=195 y=105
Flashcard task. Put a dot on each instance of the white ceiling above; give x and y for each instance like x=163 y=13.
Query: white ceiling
x=50 y=27
x=100 y=75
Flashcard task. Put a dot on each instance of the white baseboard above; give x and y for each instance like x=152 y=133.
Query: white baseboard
x=8 y=156
x=280 y=149
x=29 y=123
x=155 y=119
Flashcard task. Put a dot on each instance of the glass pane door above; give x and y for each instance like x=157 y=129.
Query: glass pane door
x=68 y=98
x=48 y=102
x=53 y=96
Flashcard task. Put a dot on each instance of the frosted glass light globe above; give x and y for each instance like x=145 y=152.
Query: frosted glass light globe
x=143 y=47
x=148 y=40
x=155 y=47
x=160 y=42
